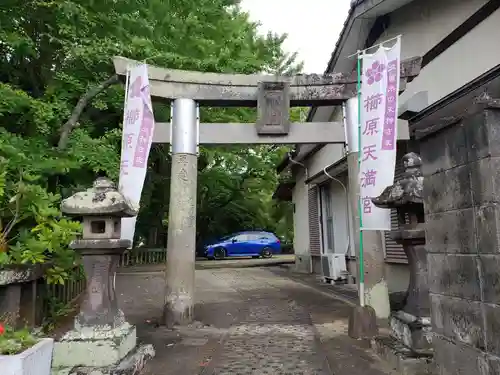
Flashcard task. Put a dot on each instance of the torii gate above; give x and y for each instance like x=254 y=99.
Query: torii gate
x=273 y=96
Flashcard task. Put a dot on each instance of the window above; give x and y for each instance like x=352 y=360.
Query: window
x=272 y=237
x=242 y=237
x=267 y=236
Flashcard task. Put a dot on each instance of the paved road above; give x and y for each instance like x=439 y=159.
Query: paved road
x=252 y=321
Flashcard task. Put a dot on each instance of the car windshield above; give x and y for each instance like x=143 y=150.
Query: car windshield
x=249 y=235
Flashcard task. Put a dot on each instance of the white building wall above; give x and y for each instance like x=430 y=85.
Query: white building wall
x=396 y=275
x=340 y=216
x=331 y=153
x=470 y=57
x=424 y=23
x=325 y=157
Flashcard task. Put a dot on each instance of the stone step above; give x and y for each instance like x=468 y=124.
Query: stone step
x=402 y=359
x=132 y=364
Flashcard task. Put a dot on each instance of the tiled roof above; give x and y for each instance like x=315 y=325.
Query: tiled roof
x=356 y=3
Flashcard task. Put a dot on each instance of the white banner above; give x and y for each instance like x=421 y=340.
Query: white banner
x=378 y=131
x=138 y=128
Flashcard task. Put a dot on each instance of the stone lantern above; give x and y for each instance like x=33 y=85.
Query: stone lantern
x=411 y=325
x=101 y=339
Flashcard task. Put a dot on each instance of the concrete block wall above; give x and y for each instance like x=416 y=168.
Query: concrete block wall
x=397 y=275
x=461 y=166
x=303 y=263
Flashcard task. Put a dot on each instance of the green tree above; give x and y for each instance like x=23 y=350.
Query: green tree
x=60 y=100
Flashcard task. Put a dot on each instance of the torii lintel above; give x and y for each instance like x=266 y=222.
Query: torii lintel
x=242 y=90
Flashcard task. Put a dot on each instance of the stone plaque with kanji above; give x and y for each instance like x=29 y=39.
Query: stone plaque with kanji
x=273 y=108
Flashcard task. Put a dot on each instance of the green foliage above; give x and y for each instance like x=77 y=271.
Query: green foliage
x=57 y=311
x=32 y=230
x=235 y=190
x=15 y=341
x=53 y=52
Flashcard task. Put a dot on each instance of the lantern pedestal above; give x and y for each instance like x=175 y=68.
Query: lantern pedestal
x=101 y=342
x=412 y=324
x=408 y=348
x=100 y=352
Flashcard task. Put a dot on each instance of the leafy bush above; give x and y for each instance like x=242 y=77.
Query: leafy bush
x=32 y=229
x=15 y=341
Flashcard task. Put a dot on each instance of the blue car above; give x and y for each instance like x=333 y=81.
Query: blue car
x=244 y=244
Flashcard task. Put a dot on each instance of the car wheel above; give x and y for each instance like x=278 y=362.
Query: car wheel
x=219 y=253
x=266 y=252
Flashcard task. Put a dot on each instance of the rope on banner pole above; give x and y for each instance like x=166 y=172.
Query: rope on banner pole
x=360 y=209
x=362 y=52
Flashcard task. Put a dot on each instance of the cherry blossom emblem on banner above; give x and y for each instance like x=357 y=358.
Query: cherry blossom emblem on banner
x=378 y=132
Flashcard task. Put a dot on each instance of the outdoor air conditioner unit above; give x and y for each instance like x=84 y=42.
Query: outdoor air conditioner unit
x=334 y=267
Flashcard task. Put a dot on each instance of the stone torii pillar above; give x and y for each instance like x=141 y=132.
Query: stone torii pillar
x=181 y=241
x=273 y=96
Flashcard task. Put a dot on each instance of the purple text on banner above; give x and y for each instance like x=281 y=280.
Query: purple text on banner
x=145 y=134
x=389 y=133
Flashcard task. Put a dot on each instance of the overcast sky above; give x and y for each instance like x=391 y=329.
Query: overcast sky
x=313 y=26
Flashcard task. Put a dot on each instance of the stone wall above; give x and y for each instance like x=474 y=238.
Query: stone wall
x=461 y=167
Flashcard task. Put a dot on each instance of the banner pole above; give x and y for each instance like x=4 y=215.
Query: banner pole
x=127 y=77
x=127 y=82
x=360 y=209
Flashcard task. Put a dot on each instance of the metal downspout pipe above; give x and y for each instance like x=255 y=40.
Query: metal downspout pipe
x=306 y=172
